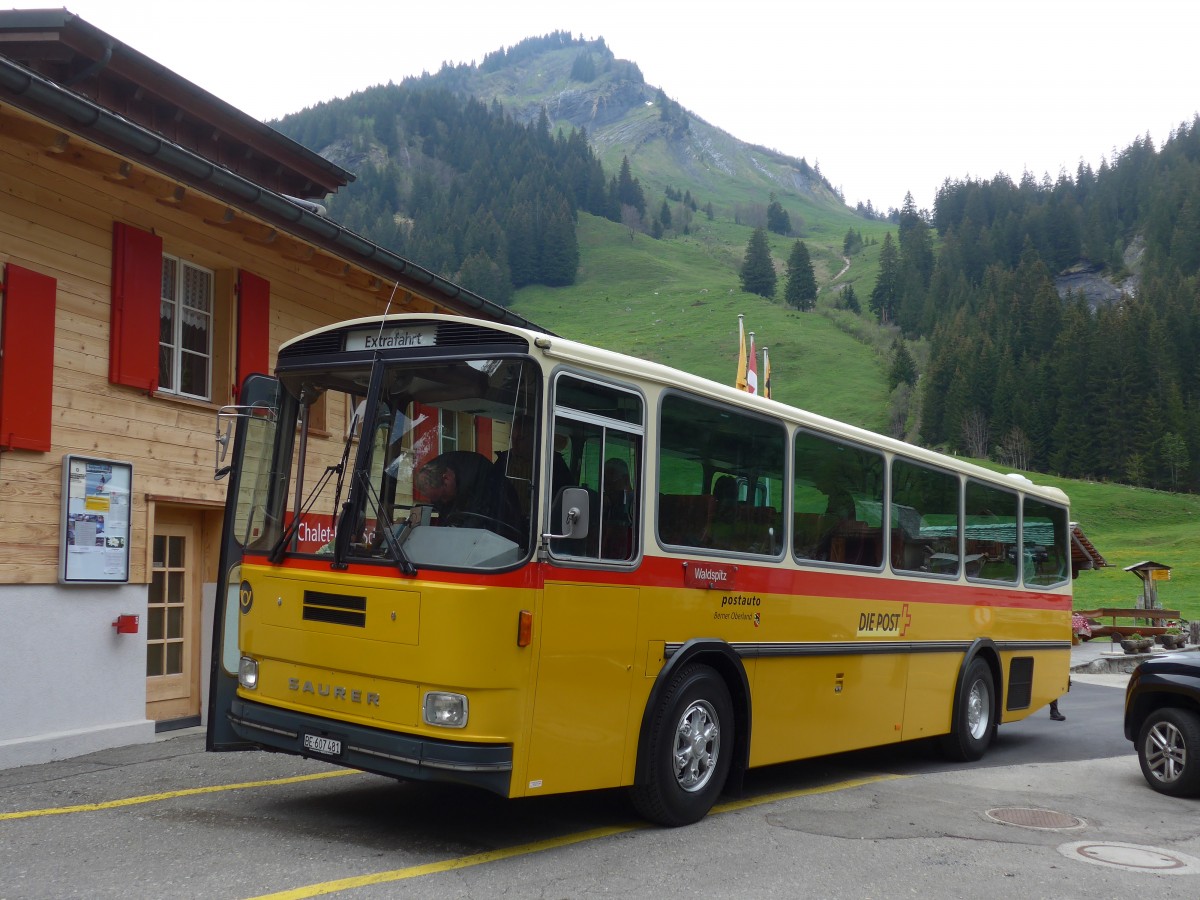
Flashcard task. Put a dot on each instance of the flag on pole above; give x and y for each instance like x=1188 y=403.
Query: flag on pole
x=766 y=374
x=752 y=374
x=740 y=383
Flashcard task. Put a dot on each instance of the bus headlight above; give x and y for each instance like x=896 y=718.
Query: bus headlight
x=248 y=673
x=445 y=709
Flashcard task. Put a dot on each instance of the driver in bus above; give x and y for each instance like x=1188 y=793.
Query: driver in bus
x=467 y=490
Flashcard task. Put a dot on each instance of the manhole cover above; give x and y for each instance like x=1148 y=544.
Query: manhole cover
x=1132 y=857
x=1027 y=817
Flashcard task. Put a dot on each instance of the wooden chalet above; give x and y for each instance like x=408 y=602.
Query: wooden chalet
x=156 y=246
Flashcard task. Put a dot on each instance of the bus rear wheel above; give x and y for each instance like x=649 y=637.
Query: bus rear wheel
x=691 y=745
x=974 y=717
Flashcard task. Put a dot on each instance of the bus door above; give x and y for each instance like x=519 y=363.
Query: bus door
x=251 y=426
x=590 y=611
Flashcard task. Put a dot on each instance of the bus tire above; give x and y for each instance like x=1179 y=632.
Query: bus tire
x=974 y=722
x=691 y=745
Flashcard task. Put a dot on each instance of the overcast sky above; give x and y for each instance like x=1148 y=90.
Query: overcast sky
x=886 y=96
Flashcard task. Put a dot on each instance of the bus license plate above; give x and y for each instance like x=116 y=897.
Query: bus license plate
x=324 y=745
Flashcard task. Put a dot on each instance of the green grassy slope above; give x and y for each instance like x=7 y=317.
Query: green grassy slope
x=677 y=301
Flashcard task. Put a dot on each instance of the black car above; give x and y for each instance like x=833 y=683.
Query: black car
x=1162 y=718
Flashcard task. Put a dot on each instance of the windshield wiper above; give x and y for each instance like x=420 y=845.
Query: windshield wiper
x=276 y=553
x=383 y=526
x=294 y=525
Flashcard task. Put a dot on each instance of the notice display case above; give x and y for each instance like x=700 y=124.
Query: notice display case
x=95 y=527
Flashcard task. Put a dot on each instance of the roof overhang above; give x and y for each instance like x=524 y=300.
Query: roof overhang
x=187 y=177
x=1084 y=555
x=68 y=51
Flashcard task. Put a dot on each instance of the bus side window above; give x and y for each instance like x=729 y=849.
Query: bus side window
x=926 y=519
x=991 y=533
x=1044 y=543
x=837 y=501
x=599 y=427
x=617 y=533
x=712 y=462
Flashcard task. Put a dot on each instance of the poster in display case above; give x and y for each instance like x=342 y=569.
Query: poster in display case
x=95 y=527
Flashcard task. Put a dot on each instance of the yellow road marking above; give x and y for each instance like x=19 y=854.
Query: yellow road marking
x=734 y=805
x=170 y=795
x=448 y=865
x=478 y=859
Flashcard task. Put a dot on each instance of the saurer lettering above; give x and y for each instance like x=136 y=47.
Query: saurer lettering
x=336 y=692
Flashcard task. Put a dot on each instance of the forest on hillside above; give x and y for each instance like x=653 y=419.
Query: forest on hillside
x=1020 y=369
x=1046 y=379
x=467 y=191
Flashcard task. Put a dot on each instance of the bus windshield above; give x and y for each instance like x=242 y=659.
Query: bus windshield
x=412 y=463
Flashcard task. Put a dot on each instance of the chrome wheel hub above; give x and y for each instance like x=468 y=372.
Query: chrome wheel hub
x=697 y=746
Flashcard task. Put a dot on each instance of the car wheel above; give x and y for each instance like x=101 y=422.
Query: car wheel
x=1168 y=749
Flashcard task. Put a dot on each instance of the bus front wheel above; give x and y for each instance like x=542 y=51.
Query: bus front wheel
x=974 y=717
x=691 y=745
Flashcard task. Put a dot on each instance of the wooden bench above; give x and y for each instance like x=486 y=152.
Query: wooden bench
x=1161 y=616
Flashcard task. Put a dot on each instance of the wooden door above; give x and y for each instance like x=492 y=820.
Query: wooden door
x=173 y=618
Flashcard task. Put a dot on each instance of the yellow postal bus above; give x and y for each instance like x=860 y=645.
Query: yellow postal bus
x=461 y=551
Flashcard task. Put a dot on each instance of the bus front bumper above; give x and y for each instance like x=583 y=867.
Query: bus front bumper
x=487 y=766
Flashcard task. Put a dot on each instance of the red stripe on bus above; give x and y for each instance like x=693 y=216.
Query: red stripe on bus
x=660 y=572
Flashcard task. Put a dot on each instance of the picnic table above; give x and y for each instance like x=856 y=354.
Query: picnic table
x=1146 y=622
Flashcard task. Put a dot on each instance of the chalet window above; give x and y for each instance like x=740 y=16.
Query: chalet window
x=448 y=431
x=185 y=329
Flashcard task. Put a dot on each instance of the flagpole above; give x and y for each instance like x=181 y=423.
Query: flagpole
x=740 y=381
x=752 y=372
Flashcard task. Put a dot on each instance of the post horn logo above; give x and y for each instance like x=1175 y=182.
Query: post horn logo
x=245 y=597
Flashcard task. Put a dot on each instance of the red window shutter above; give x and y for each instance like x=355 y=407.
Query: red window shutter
x=483 y=436
x=425 y=438
x=253 y=326
x=136 y=307
x=27 y=363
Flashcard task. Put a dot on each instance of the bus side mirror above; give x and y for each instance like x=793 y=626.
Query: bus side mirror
x=576 y=510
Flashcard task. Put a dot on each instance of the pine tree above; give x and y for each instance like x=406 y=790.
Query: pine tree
x=758 y=272
x=885 y=294
x=584 y=67
x=916 y=267
x=560 y=247
x=777 y=217
x=800 y=292
x=664 y=215
x=481 y=274
x=849 y=300
x=629 y=189
x=904 y=369
x=522 y=246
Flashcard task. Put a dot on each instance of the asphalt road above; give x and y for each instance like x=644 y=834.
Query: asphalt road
x=168 y=820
